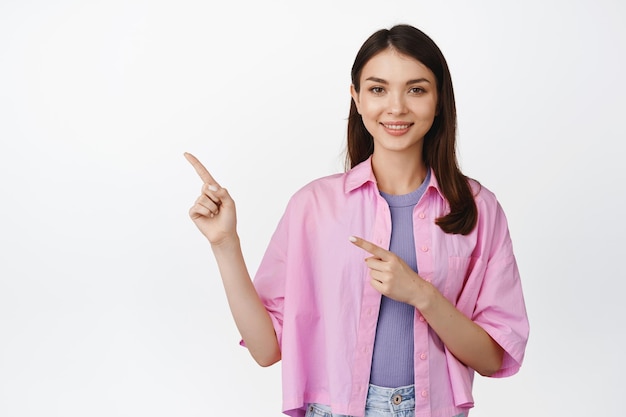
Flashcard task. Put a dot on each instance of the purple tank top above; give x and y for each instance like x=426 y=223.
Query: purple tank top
x=392 y=361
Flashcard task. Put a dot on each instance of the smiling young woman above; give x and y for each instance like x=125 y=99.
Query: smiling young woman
x=397 y=102
x=438 y=296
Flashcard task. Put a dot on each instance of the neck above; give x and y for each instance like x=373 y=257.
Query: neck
x=398 y=173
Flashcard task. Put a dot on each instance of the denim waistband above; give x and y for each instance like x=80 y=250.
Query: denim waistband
x=391 y=399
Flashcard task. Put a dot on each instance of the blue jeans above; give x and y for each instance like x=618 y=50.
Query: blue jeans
x=381 y=402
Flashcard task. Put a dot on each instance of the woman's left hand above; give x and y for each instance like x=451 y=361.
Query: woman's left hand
x=469 y=342
x=392 y=277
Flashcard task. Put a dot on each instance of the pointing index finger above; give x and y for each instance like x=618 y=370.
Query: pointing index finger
x=200 y=169
x=369 y=247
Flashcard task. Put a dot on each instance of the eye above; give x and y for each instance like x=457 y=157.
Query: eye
x=377 y=90
x=417 y=90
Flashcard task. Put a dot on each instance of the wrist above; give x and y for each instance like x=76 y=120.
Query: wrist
x=226 y=244
x=426 y=296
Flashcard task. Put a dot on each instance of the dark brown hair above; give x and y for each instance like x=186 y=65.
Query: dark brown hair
x=439 y=150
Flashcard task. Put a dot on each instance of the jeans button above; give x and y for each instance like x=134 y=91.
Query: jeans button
x=396 y=399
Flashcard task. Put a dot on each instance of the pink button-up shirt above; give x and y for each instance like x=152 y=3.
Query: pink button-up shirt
x=315 y=286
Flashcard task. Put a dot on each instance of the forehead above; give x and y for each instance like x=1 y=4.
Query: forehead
x=391 y=65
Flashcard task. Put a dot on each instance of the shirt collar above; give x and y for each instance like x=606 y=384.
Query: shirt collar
x=363 y=173
x=359 y=176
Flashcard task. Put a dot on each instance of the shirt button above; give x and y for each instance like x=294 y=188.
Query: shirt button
x=380 y=241
x=424 y=248
x=422 y=319
x=421 y=215
x=424 y=394
x=423 y=356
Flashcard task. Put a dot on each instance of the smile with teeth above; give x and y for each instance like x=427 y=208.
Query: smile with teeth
x=396 y=126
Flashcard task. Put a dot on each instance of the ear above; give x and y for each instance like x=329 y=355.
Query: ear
x=355 y=97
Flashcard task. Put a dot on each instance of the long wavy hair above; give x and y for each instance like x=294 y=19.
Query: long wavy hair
x=439 y=151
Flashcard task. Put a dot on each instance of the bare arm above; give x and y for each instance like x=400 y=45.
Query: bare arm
x=215 y=215
x=466 y=340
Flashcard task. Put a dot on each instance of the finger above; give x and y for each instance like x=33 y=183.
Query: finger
x=198 y=210
x=200 y=169
x=378 y=276
x=374 y=263
x=222 y=197
x=370 y=247
x=208 y=203
x=210 y=191
x=378 y=285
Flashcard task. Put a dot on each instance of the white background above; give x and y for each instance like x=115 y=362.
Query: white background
x=110 y=301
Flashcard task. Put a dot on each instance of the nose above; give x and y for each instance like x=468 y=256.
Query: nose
x=397 y=104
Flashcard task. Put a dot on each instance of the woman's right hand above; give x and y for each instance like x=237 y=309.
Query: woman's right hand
x=214 y=210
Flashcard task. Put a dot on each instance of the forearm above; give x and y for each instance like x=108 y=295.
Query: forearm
x=466 y=340
x=251 y=317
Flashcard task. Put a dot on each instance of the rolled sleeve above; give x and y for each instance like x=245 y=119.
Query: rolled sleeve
x=269 y=280
x=501 y=311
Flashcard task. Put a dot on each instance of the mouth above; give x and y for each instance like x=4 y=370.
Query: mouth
x=396 y=128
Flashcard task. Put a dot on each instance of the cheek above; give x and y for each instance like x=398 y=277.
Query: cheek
x=370 y=109
x=429 y=109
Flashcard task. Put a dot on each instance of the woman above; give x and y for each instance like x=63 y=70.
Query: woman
x=385 y=287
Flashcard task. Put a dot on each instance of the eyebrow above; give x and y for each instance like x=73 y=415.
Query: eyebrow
x=382 y=81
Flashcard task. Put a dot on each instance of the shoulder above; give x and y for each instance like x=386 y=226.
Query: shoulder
x=327 y=184
x=483 y=196
x=492 y=220
x=324 y=189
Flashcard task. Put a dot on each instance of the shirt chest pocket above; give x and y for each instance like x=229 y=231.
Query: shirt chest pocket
x=459 y=268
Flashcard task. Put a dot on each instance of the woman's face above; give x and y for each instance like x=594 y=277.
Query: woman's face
x=397 y=101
